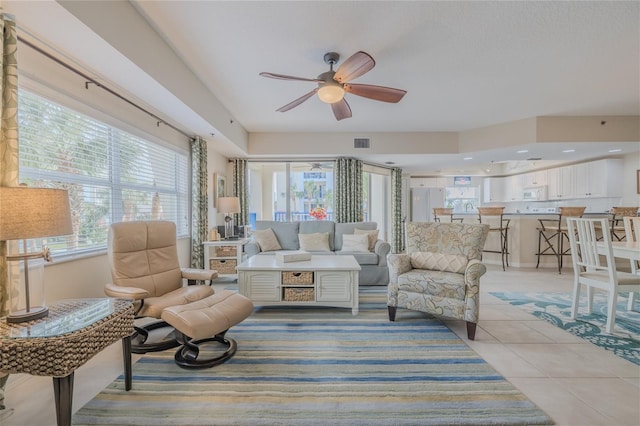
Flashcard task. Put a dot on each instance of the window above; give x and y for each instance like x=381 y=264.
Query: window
x=111 y=175
x=376 y=205
x=463 y=199
x=295 y=191
x=286 y=191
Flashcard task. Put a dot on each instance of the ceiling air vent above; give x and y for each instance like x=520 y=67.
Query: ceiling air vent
x=361 y=143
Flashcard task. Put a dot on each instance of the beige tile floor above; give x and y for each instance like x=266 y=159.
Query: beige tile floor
x=573 y=381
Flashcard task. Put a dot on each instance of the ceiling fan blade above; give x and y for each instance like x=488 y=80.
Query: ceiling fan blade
x=341 y=109
x=356 y=65
x=289 y=77
x=298 y=101
x=379 y=93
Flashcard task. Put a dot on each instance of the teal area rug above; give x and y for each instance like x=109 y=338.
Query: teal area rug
x=556 y=309
x=322 y=366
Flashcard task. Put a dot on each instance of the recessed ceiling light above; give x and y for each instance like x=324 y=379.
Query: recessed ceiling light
x=389 y=162
x=468 y=158
x=568 y=150
x=615 y=150
x=522 y=151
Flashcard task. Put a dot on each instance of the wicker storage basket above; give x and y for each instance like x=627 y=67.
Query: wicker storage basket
x=297 y=277
x=226 y=251
x=223 y=266
x=297 y=294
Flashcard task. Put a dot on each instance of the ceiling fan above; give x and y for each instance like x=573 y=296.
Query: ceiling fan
x=332 y=85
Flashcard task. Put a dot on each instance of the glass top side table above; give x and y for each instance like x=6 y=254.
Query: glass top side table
x=58 y=344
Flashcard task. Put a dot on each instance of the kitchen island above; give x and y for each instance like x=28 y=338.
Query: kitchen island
x=523 y=239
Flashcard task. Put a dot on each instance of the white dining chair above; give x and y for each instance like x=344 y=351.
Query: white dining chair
x=632 y=233
x=596 y=268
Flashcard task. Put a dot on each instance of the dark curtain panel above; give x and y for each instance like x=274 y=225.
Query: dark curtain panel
x=348 y=190
x=240 y=190
x=397 y=222
x=199 y=212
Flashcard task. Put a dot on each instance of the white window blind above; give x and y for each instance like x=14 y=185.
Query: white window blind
x=111 y=175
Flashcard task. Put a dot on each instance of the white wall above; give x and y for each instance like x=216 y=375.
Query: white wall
x=216 y=164
x=86 y=277
x=630 y=196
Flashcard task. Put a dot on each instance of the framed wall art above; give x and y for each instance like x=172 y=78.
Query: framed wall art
x=219 y=188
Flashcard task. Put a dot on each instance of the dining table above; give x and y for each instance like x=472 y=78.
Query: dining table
x=624 y=249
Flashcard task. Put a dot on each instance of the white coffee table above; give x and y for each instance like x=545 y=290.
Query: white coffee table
x=325 y=280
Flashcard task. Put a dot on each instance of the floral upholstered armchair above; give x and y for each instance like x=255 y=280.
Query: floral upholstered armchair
x=440 y=271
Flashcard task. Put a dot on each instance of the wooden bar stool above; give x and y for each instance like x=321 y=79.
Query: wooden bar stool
x=553 y=232
x=617 y=226
x=438 y=212
x=493 y=216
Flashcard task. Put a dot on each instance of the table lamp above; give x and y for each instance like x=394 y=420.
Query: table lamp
x=27 y=213
x=228 y=205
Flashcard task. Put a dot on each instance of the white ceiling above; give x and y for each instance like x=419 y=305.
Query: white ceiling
x=465 y=65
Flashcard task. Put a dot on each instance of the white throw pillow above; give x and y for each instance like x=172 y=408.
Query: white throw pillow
x=355 y=242
x=372 y=234
x=267 y=240
x=318 y=241
x=439 y=261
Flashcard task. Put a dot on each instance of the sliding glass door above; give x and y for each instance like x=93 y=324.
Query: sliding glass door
x=302 y=190
x=286 y=191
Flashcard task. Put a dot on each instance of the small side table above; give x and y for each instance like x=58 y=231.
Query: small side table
x=224 y=256
x=58 y=344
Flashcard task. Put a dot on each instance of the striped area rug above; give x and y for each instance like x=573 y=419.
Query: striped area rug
x=322 y=366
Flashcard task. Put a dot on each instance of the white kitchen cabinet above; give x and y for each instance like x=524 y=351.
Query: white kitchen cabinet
x=493 y=190
x=513 y=188
x=598 y=179
x=533 y=179
x=560 y=183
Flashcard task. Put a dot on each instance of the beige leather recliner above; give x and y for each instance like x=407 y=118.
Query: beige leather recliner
x=144 y=266
x=143 y=257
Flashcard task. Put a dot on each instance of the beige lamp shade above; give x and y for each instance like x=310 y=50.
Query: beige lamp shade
x=27 y=213
x=229 y=204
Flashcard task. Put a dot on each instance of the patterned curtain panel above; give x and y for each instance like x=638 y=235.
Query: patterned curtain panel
x=8 y=135
x=8 y=154
x=348 y=190
x=199 y=213
x=397 y=222
x=241 y=190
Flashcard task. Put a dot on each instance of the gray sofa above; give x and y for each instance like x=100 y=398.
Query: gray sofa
x=373 y=263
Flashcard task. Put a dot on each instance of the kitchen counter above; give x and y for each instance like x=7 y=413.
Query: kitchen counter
x=536 y=214
x=523 y=239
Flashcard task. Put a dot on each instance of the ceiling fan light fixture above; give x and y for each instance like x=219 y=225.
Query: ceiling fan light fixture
x=331 y=93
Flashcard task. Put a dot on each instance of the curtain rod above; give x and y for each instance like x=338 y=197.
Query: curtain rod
x=90 y=80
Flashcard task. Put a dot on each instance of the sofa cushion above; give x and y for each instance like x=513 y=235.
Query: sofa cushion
x=317 y=241
x=267 y=240
x=434 y=283
x=286 y=232
x=349 y=228
x=439 y=261
x=362 y=257
x=372 y=235
x=313 y=226
x=451 y=238
x=355 y=242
